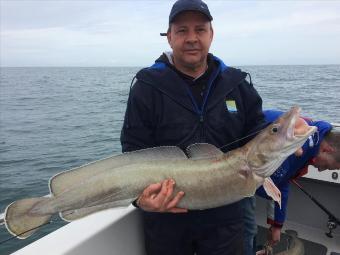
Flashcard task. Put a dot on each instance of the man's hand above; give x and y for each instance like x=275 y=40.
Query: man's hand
x=158 y=198
x=273 y=238
x=274 y=235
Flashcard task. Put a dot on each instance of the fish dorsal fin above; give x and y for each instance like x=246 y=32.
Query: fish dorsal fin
x=203 y=151
x=65 y=180
x=272 y=191
x=155 y=153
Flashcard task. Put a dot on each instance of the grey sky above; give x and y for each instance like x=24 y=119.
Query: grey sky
x=126 y=33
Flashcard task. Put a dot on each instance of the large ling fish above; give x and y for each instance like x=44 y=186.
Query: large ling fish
x=208 y=177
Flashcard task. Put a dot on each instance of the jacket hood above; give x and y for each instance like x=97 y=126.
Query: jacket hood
x=164 y=78
x=163 y=63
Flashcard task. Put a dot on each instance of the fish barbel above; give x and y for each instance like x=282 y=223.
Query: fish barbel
x=209 y=177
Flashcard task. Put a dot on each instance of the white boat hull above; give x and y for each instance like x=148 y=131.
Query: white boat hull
x=111 y=232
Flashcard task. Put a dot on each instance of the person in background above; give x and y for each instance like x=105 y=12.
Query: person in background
x=322 y=150
x=190 y=96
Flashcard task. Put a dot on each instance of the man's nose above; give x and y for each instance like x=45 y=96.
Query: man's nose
x=191 y=37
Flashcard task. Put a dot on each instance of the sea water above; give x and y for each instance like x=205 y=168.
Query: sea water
x=54 y=119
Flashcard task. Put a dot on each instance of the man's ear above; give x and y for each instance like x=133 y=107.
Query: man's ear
x=325 y=147
x=168 y=36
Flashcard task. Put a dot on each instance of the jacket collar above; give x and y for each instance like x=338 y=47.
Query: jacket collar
x=162 y=76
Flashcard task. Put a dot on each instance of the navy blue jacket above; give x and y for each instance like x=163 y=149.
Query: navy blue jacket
x=161 y=110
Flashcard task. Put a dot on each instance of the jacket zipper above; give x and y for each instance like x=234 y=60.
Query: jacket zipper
x=202 y=131
x=200 y=111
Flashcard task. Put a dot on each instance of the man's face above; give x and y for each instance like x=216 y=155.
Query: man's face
x=190 y=38
x=324 y=160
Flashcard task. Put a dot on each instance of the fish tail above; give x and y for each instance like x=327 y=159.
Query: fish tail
x=21 y=220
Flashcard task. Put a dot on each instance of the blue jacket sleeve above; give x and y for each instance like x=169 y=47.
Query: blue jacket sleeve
x=275 y=215
x=272 y=115
x=280 y=214
x=323 y=128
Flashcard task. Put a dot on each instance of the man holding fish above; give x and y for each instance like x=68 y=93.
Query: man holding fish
x=188 y=100
x=190 y=96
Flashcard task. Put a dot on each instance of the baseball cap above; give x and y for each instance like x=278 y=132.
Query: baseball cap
x=188 y=5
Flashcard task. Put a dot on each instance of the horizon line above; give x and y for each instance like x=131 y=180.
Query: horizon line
x=129 y=66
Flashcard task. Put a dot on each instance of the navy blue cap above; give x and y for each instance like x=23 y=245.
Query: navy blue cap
x=189 y=5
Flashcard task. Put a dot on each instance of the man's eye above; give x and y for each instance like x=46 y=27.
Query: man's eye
x=200 y=30
x=180 y=30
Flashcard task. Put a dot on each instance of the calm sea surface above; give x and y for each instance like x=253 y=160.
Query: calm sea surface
x=53 y=119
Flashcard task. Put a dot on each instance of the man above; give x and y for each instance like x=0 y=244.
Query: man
x=189 y=96
x=322 y=150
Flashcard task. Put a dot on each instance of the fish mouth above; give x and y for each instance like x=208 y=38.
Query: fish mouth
x=293 y=115
x=297 y=129
x=311 y=130
x=281 y=139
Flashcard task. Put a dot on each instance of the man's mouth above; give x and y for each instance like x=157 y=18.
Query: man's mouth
x=192 y=51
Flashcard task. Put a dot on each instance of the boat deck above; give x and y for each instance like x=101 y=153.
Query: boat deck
x=311 y=248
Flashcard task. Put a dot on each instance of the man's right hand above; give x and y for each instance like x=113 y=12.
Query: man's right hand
x=158 y=198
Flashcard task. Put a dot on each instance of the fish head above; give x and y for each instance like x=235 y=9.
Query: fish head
x=268 y=150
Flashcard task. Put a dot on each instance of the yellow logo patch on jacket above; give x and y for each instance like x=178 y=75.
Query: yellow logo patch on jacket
x=231 y=105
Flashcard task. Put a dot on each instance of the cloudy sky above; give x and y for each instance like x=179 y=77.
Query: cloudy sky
x=126 y=33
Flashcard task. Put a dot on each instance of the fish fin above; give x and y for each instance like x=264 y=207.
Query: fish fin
x=272 y=190
x=22 y=223
x=203 y=151
x=63 y=181
x=72 y=215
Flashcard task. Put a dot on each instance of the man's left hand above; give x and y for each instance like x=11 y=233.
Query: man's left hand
x=274 y=235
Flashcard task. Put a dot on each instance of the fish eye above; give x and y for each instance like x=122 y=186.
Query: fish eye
x=275 y=129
